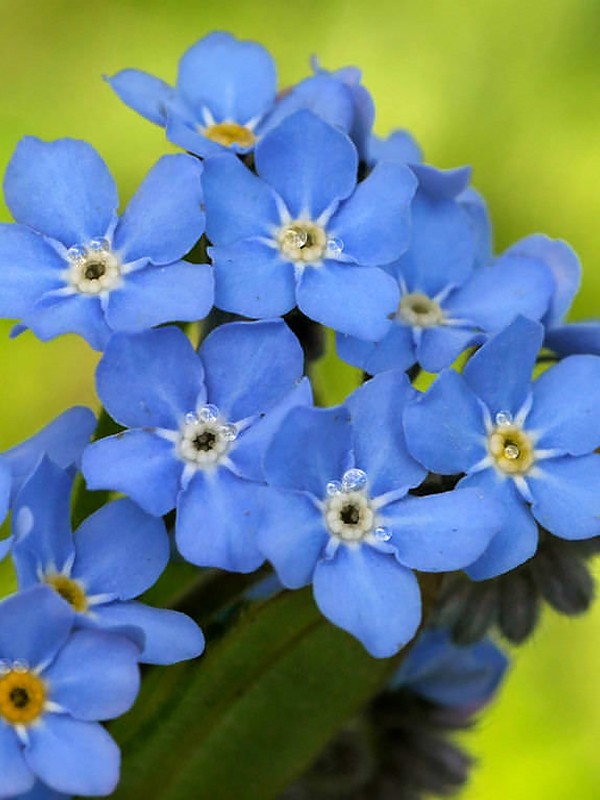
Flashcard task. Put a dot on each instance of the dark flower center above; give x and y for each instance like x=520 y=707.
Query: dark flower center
x=205 y=441
x=19 y=697
x=350 y=514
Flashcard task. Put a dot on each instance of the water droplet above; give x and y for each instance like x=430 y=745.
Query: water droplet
x=504 y=418
x=511 y=451
x=353 y=480
x=208 y=413
x=382 y=534
x=76 y=253
x=20 y=665
x=99 y=245
x=191 y=418
x=229 y=432
x=5 y=666
x=335 y=246
x=295 y=237
x=333 y=488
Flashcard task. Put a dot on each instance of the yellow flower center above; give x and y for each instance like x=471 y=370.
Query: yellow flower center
x=511 y=448
x=302 y=240
x=228 y=133
x=70 y=590
x=22 y=697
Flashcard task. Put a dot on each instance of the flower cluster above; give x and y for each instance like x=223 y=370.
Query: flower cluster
x=286 y=213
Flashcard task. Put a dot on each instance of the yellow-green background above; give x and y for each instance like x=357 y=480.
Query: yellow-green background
x=508 y=86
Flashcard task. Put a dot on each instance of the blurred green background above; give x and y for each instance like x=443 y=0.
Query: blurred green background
x=509 y=87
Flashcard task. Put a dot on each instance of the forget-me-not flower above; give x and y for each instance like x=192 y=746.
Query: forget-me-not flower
x=531 y=446
x=303 y=232
x=339 y=516
x=448 y=299
x=71 y=265
x=199 y=425
x=56 y=683
x=115 y=555
x=62 y=440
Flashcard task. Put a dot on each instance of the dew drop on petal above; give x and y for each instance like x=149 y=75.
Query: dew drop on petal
x=20 y=665
x=208 y=413
x=333 y=488
x=504 y=418
x=229 y=432
x=99 y=245
x=335 y=246
x=511 y=451
x=353 y=480
x=191 y=418
x=295 y=237
x=382 y=534
x=76 y=253
x=5 y=666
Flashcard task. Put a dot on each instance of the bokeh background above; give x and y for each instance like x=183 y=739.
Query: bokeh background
x=507 y=86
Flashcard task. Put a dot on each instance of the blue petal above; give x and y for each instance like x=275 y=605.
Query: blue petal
x=238 y=203
x=5 y=487
x=45 y=499
x=139 y=464
x=235 y=80
x=359 y=301
x=41 y=792
x=309 y=163
x=517 y=540
x=120 y=550
x=395 y=351
x=52 y=315
x=578 y=337
x=144 y=93
x=441 y=345
x=476 y=209
x=73 y=757
x=442 y=183
x=62 y=189
x=34 y=625
x=494 y=295
x=443 y=532
x=378 y=436
x=16 y=777
x=62 y=440
x=292 y=535
x=29 y=267
x=95 y=675
x=154 y=295
x=218 y=517
x=565 y=406
x=400 y=147
x=248 y=454
x=450 y=675
x=444 y=427
x=374 y=223
x=500 y=372
x=565 y=495
x=164 y=218
x=185 y=133
x=324 y=95
x=370 y=595
x=152 y=378
x=170 y=636
x=562 y=262
x=442 y=249
x=252 y=279
x=311 y=448
x=250 y=366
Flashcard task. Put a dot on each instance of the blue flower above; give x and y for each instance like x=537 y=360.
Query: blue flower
x=62 y=440
x=200 y=423
x=338 y=514
x=56 y=683
x=116 y=554
x=225 y=87
x=451 y=297
x=531 y=446
x=71 y=265
x=399 y=147
x=444 y=673
x=303 y=232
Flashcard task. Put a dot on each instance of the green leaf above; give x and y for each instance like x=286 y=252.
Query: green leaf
x=251 y=715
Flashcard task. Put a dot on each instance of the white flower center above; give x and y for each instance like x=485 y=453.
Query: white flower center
x=348 y=513
x=420 y=311
x=302 y=240
x=511 y=449
x=205 y=438
x=94 y=268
